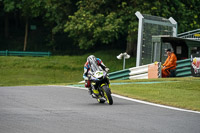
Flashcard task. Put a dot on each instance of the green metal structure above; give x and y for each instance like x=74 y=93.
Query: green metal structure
x=24 y=53
x=149 y=26
x=183 y=48
x=120 y=75
x=183 y=69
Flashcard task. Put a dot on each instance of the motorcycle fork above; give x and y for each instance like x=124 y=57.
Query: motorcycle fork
x=95 y=91
x=102 y=91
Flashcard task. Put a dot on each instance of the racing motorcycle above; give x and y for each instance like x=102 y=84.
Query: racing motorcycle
x=100 y=85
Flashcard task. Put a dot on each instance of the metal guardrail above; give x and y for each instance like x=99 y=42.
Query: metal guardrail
x=183 y=68
x=140 y=72
x=194 y=34
x=23 y=53
x=122 y=74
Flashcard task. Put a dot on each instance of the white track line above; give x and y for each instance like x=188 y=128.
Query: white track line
x=140 y=101
x=154 y=104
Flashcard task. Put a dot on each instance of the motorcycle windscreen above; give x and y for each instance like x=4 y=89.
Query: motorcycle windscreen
x=95 y=67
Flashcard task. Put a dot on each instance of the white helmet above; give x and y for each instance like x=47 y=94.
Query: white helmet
x=92 y=60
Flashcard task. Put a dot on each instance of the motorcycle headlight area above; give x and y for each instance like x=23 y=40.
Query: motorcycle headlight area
x=98 y=74
x=93 y=83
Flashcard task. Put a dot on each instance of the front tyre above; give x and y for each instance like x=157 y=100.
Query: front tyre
x=101 y=100
x=107 y=94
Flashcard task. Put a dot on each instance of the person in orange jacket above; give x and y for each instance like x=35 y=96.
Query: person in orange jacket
x=169 y=64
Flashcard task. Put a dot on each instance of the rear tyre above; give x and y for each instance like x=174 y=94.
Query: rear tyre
x=107 y=94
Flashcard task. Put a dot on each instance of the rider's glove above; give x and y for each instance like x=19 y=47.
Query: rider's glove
x=86 y=78
x=107 y=69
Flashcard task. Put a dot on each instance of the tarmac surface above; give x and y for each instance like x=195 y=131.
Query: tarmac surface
x=61 y=109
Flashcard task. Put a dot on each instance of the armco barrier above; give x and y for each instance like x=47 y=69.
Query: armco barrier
x=153 y=70
x=183 y=68
x=122 y=74
x=23 y=53
x=140 y=72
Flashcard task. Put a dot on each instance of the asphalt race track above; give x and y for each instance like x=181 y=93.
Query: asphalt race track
x=60 y=109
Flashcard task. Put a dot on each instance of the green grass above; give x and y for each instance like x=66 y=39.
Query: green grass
x=178 y=92
x=52 y=70
x=15 y=71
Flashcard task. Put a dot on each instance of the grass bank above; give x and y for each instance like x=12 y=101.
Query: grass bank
x=15 y=71
x=177 y=92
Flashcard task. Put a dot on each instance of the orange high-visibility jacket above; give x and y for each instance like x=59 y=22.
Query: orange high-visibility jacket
x=171 y=61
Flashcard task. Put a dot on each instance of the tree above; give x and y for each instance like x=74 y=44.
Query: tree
x=9 y=6
x=29 y=9
x=52 y=13
x=103 y=21
x=55 y=15
x=95 y=21
x=84 y=25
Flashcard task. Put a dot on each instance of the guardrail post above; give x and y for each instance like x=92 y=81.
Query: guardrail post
x=159 y=70
x=6 y=52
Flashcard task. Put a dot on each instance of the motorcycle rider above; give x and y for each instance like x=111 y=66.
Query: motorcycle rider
x=87 y=67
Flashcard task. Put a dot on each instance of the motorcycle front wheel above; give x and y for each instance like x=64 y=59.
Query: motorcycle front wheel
x=107 y=94
x=100 y=100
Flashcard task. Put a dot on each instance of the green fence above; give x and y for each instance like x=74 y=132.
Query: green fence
x=23 y=53
x=183 y=68
x=122 y=74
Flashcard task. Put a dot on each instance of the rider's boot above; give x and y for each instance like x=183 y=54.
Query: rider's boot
x=91 y=92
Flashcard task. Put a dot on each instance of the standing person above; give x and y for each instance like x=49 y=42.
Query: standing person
x=87 y=67
x=169 y=64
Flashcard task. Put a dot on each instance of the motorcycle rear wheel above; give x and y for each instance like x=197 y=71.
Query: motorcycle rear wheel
x=107 y=94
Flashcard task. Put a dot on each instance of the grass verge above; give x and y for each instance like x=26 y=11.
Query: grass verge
x=177 y=92
x=15 y=71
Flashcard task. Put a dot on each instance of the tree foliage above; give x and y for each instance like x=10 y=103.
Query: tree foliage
x=93 y=22
x=56 y=14
x=104 y=20
x=98 y=21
